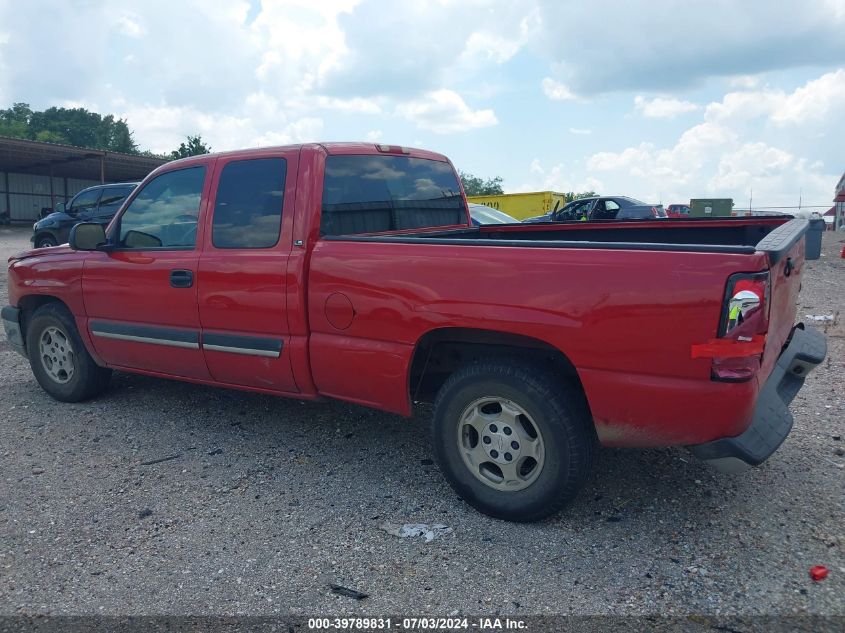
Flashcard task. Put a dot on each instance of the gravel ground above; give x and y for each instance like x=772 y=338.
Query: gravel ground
x=266 y=501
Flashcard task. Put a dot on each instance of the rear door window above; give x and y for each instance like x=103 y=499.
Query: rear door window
x=112 y=198
x=85 y=201
x=370 y=194
x=248 y=208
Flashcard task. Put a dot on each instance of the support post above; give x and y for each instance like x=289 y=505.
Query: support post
x=52 y=193
x=8 y=195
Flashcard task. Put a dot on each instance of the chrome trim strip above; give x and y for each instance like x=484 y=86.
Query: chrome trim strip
x=145 y=339
x=242 y=350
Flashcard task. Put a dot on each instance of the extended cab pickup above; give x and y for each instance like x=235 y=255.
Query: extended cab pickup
x=352 y=271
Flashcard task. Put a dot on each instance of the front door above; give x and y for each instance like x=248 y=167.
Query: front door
x=242 y=270
x=141 y=296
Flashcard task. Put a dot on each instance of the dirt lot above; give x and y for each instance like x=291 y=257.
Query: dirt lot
x=266 y=501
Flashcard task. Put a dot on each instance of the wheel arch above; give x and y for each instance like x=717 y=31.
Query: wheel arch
x=441 y=351
x=29 y=304
x=44 y=233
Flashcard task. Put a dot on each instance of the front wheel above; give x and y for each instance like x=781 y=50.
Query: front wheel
x=512 y=440
x=45 y=241
x=59 y=360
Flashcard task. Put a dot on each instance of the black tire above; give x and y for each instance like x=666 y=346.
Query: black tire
x=559 y=413
x=45 y=240
x=87 y=379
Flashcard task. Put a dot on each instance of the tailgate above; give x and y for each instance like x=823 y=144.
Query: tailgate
x=784 y=248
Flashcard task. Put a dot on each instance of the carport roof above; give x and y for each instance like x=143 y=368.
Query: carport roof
x=34 y=157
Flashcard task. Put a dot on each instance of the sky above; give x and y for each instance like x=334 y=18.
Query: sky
x=662 y=100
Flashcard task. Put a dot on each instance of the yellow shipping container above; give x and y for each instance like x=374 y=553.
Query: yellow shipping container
x=523 y=205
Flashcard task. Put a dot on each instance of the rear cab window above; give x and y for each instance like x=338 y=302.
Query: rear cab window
x=371 y=194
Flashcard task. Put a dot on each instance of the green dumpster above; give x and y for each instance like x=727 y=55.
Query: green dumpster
x=711 y=207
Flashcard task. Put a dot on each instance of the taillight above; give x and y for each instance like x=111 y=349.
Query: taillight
x=393 y=149
x=745 y=310
x=737 y=352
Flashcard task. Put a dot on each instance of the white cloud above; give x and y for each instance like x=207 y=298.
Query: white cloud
x=418 y=47
x=742 y=106
x=615 y=45
x=609 y=161
x=745 y=82
x=663 y=107
x=373 y=135
x=130 y=26
x=307 y=130
x=580 y=130
x=814 y=101
x=766 y=139
x=444 y=112
x=751 y=162
x=556 y=178
x=256 y=124
x=556 y=91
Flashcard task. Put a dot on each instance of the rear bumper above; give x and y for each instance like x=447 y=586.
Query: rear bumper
x=11 y=318
x=771 y=421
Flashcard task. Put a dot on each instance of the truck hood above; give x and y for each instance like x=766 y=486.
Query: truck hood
x=54 y=219
x=62 y=249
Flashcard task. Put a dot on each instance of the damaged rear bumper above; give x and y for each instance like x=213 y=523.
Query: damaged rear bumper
x=772 y=420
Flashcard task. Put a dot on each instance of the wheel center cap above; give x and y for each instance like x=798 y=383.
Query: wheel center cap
x=501 y=443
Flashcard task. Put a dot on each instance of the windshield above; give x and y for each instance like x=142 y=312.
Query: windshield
x=370 y=194
x=488 y=215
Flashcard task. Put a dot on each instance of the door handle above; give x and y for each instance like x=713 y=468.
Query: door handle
x=181 y=278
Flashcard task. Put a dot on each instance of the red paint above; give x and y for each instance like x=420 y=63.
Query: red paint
x=351 y=314
x=339 y=311
x=819 y=572
x=729 y=348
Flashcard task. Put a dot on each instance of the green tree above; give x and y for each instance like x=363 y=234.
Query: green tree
x=571 y=195
x=46 y=136
x=14 y=121
x=194 y=147
x=79 y=127
x=475 y=186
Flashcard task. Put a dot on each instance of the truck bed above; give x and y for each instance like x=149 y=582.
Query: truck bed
x=734 y=235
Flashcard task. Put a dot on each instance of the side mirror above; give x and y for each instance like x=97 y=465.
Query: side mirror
x=60 y=208
x=87 y=236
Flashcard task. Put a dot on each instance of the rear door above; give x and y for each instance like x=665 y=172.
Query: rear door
x=243 y=268
x=141 y=296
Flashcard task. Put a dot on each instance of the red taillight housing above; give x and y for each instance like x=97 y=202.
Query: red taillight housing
x=738 y=351
x=745 y=310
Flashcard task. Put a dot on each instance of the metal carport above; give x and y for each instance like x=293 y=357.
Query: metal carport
x=36 y=175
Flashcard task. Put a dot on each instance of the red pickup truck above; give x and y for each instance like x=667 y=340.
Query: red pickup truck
x=353 y=271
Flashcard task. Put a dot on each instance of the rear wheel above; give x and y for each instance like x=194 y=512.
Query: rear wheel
x=59 y=360
x=45 y=241
x=513 y=441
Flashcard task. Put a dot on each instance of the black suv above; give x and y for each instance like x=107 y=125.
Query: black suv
x=94 y=204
